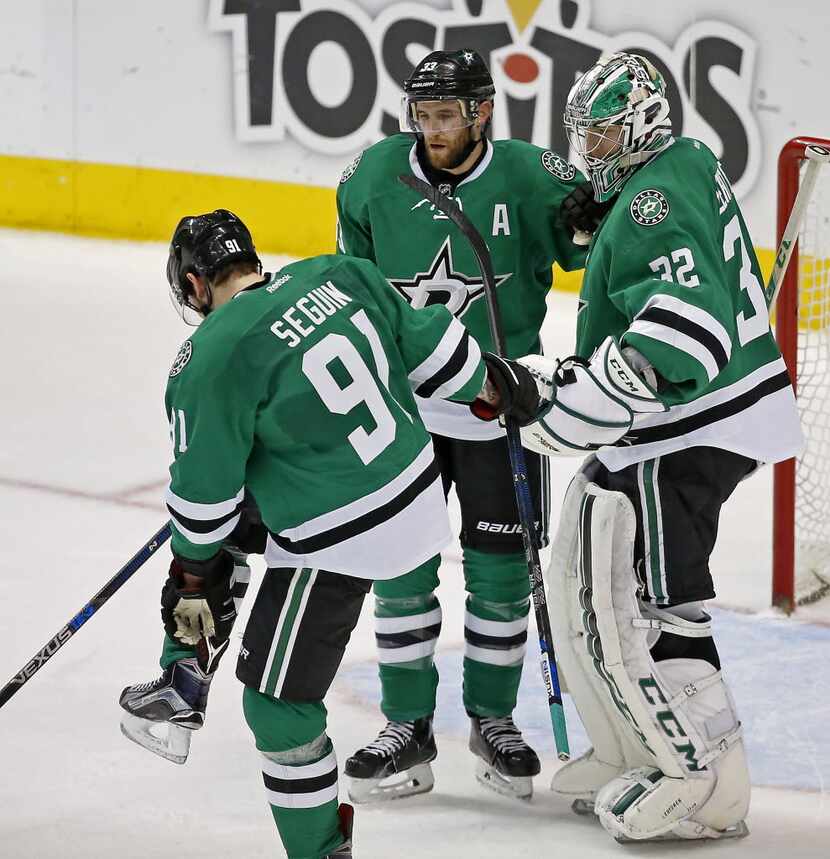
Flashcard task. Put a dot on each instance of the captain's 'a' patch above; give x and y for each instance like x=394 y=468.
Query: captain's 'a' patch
x=350 y=169
x=649 y=207
x=557 y=166
x=185 y=353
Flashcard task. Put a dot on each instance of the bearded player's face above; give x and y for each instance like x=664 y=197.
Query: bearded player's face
x=446 y=131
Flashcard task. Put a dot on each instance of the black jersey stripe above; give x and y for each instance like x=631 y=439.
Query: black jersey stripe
x=706 y=338
x=494 y=642
x=300 y=785
x=452 y=368
x=361 y=524
x=203 y=526
x=684 y=426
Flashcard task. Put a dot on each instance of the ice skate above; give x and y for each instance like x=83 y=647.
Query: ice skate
x=162 y=714
x=395 y=765
x=344 y=851
x=507 y=763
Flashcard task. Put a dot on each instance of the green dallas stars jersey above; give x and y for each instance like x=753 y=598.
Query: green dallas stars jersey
x=512 y=197
x=300 y=390
x=672 y=272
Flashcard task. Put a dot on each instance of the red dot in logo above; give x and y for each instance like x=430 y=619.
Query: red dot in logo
x=521 y=68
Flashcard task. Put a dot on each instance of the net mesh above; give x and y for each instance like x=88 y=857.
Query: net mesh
x=812 y=514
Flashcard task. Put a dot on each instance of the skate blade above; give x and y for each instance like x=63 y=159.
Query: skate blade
x=516 y=787
x=415 y=780
x=739 y=830
x=171 y=742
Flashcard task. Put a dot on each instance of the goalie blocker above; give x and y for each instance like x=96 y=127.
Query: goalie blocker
x=667 y=759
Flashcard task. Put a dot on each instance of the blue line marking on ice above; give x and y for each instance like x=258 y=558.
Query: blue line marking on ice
x=778 y=671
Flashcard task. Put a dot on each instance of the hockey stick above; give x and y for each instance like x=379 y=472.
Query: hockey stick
x=53 y=645
x=817 y=156
x=524 y=502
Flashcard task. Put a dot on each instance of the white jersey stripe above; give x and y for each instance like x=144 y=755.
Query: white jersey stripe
x=499 y=628
x=214 y=536
x=442 y=353
x=204 y=512
x=694 y=314
x=677 y=340
x=463 y=375
x=392 y=655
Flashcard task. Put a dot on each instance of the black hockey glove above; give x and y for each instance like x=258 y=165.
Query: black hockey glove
x=509 y=390
x=580 y=211
x=196 y=600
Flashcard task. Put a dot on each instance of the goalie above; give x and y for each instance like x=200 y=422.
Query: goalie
x=679 y=387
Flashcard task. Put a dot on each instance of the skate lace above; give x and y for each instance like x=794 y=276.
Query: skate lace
x=502 y=734
x=146 y=687
x=392 y=738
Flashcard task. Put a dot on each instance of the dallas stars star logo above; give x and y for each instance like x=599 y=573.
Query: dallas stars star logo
x=441 y=284
x=468 y=57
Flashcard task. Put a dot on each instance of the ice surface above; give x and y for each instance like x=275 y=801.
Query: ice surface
x=86 y=339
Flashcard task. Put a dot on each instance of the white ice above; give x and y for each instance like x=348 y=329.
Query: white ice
x=86 y=340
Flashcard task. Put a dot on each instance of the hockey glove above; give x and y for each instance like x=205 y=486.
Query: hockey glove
x=580 y=211
x=197 y=599
x=587 y=404
x=510 y=389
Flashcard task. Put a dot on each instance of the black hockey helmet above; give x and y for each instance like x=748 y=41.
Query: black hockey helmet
x=202 y=245
x=447 y=75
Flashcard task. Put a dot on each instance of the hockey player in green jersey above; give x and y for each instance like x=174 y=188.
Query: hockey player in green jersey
x=680 y=389
x=512 y=191
x=296 y=388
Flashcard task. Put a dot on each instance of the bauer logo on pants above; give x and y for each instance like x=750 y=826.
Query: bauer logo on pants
x=649 y=207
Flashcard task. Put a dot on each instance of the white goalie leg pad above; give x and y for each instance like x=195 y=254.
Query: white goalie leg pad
x=614 y=750
x=679 y=710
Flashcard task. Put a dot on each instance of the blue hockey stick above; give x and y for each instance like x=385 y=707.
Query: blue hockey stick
x=524 y=502
x=54 y=644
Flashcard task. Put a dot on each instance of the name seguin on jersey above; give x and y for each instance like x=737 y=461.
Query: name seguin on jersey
x=305 y=314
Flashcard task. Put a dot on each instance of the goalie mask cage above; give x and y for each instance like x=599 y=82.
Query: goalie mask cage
x=801 y=487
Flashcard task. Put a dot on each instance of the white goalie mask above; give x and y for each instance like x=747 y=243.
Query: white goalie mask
x=617 y=118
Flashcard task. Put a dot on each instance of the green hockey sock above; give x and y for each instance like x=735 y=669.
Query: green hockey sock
x=495 y=631
x=299 y=770
x=407 y=624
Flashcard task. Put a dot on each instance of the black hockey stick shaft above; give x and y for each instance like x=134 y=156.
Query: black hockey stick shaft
x=524 y=500
x=55 y=644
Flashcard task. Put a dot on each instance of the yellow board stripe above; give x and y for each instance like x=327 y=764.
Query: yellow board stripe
x=145 y=203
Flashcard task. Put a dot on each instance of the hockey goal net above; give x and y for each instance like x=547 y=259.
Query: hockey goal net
x=801 y=494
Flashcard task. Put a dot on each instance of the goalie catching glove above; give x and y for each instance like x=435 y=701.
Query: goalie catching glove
x=197 y=599
x=587 y=405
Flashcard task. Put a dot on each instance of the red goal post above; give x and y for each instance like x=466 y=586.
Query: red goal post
x=801 y=487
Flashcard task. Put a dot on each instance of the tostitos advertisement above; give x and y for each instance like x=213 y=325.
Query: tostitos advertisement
x=125 y=116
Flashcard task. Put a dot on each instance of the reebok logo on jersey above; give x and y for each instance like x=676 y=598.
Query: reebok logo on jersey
x=649 y=207
x=185 y=353
x=558 y=166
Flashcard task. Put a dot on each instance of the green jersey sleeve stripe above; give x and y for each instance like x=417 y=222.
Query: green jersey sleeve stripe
x=677 y=340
